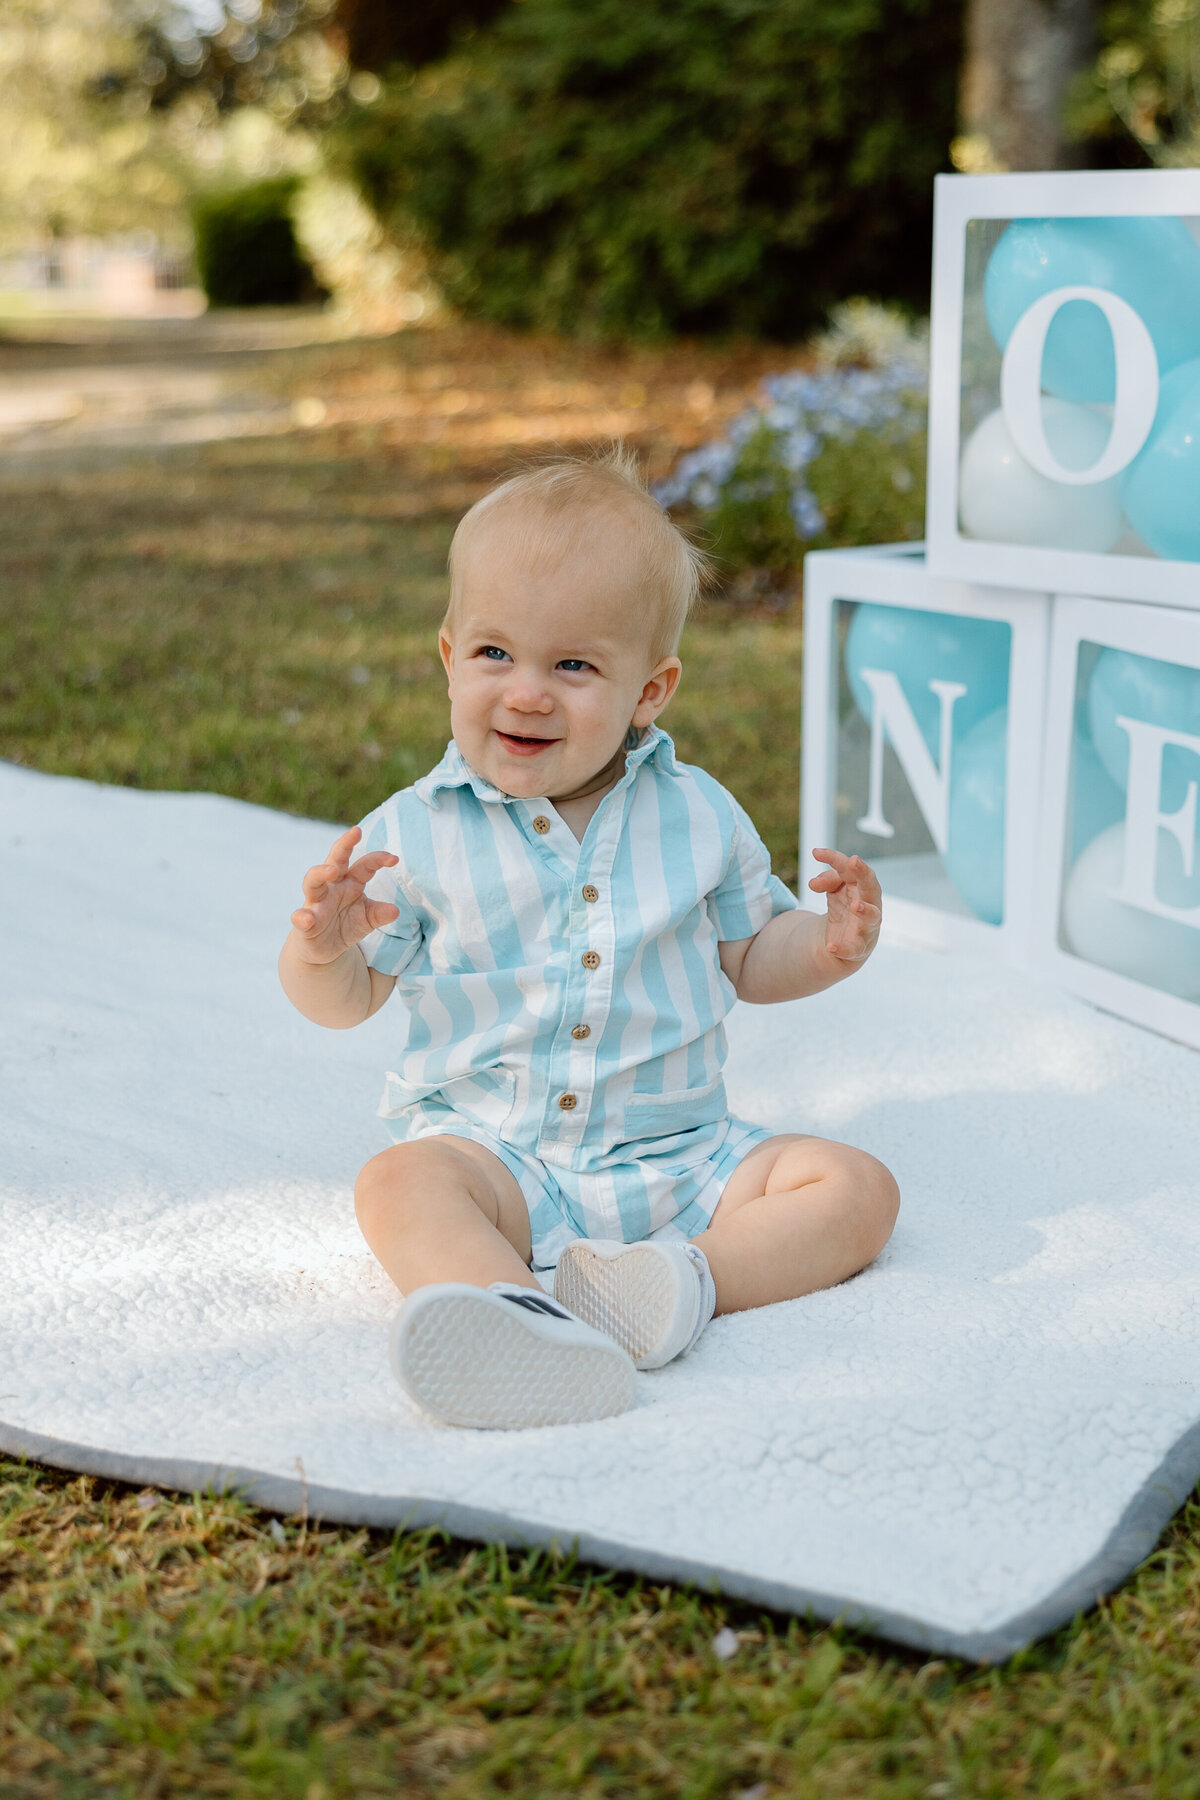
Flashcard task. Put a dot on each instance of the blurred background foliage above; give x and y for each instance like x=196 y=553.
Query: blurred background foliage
x=595 y=169
x=286 y=56
x=683 y=165
x=586 y=166
x=78 y=150
x=246 y=249
x=1141 y=98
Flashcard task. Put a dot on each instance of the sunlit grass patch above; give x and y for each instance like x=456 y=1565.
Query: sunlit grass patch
x=261 y=623
x=175 y=1645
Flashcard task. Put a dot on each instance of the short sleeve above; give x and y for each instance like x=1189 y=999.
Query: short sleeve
x=748 y=894
x=391 y=947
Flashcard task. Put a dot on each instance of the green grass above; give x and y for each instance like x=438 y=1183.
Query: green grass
x=151 y=1645
x=204 y=619
x=256 y=620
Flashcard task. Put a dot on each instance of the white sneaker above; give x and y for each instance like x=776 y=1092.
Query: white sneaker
x=654 y=1299
x=505 y=1357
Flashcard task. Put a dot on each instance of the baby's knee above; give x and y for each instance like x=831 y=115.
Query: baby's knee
x=406 y=1180
x=395 y=1182
x=374 y=1190
x=877 y=1194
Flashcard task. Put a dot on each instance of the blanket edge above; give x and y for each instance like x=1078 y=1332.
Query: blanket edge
x=1127 y=1545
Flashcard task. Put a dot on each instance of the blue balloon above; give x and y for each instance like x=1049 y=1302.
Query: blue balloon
x=1162 y=693
x=1096 y=800
x=974 y=858
x=1152 y=263
x=1160 y=490
x=920 y=647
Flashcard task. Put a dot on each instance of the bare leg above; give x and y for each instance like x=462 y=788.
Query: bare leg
x=798 y=1214
x=444 y=1209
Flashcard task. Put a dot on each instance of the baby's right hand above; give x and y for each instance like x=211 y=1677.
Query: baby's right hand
x=337 y=913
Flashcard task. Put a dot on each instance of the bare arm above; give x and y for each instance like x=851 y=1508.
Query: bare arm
x=321 y=966
x=337 y=994
x=800 y=953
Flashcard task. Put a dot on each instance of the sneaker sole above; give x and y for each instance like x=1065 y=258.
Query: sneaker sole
x=631 y=1298
x=472 y=1359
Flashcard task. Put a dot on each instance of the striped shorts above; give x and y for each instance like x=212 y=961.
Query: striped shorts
x=668 y=1189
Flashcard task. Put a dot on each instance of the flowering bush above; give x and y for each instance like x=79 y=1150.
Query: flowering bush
x=831 y=456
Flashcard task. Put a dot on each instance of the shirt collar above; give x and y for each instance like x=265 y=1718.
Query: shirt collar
x=455 y=771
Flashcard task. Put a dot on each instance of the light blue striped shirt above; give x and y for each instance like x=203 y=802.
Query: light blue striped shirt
x=568 y=996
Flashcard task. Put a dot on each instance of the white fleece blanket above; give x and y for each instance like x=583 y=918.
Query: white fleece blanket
x=959 y=1448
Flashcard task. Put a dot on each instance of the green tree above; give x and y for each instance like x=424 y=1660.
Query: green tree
x=1141 y=101
x=286 y=57
x=79 y=149
x=591 y=166
x=379 y=33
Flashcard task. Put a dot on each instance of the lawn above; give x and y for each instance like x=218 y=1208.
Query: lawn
x=257 y=617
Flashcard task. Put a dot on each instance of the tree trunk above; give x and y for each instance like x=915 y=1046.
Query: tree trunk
x=1021 y=56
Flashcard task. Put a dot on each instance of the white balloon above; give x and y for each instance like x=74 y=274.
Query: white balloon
x=1003 y=500
x=1160 y=952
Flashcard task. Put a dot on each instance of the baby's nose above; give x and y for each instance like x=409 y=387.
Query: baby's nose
x=526 y=692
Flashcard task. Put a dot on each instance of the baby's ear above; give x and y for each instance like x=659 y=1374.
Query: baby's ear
x=446 y=652
x=658 y=690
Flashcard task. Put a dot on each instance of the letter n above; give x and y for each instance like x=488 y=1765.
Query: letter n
x=930 y=782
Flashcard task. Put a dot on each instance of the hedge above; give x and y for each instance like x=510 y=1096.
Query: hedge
x=246 y=250
x=672 y=165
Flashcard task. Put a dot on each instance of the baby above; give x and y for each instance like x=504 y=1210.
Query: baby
x=570 y=913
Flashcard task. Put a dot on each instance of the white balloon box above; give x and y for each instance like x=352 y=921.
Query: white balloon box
x=1118 y=905
x=1064 y=428
x=922 y=730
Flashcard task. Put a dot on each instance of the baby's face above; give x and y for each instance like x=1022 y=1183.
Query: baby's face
x=548 y=668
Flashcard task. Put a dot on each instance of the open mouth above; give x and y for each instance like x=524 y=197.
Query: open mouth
x=524 y=746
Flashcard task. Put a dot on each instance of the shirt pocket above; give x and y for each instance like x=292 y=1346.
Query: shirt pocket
x=486 y=1096
x=676 y=1110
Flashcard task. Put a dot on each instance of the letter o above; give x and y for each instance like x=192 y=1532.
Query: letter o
x=1137 y=386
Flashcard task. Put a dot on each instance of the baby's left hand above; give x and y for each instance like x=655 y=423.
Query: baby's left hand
x=853 y=906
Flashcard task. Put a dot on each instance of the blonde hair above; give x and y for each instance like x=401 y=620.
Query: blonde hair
x=549 y=508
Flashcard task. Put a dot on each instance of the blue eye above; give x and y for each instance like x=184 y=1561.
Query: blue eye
x=493 y=652
x=573 y=664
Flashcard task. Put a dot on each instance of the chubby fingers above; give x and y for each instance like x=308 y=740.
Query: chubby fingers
x=369 y=865
x=859 y=904
x=852 y=938
x=830 y=879
x=845 y=871
x=863 y=879
x=381 y=912
x=378 y=912
x=839 y=863
x=318 y=879
x=339 y=855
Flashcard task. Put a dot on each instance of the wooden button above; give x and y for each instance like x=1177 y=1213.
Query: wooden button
x=591 y=893
x=567 y=1102
x=541 y=823
x=590 y=960
x=581 y=1031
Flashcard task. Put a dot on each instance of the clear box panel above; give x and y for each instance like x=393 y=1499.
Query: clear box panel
x=920 y=768
x=1080 y=412
x=1131 y=849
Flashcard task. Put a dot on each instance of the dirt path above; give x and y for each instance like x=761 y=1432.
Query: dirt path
x=79 y=385
x=81 y=390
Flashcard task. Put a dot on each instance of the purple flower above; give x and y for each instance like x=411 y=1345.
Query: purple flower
x=803 y=411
